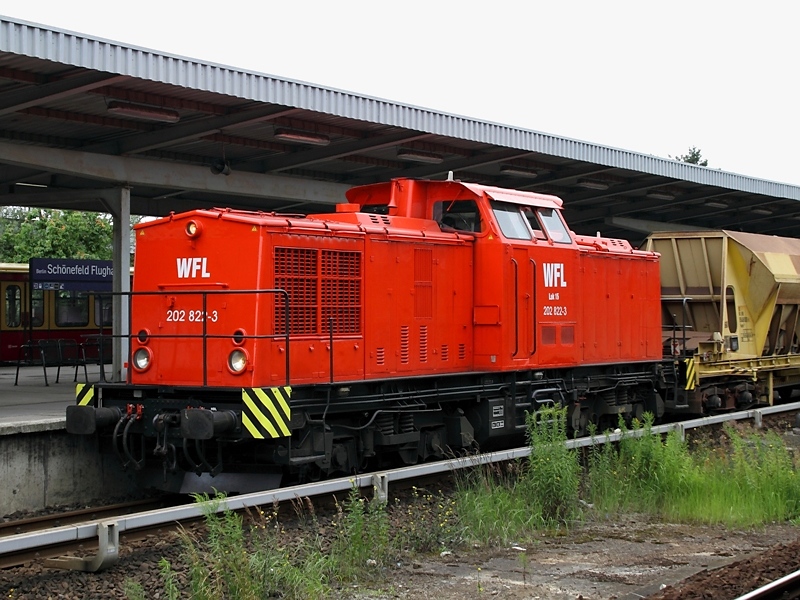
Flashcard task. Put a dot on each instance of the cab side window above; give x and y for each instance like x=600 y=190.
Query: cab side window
x=458 y=215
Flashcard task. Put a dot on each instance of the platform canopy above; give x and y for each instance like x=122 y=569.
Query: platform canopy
x=81 y=116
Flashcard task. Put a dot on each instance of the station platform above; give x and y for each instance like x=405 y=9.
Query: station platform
x=32 y=406
x=42 y=466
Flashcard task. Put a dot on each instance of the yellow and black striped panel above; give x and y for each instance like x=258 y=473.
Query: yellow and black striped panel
x=690 y=370
x=84 y=394
x=266 y=412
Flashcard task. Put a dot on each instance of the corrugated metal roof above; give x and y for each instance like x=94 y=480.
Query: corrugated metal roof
x=79 y=50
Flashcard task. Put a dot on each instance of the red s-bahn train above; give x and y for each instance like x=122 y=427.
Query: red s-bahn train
x=421 y=319
x=28 y=315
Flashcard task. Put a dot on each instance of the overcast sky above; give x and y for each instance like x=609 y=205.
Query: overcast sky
x=654 y=77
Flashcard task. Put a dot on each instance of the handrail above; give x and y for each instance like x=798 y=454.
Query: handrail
x=204 y=336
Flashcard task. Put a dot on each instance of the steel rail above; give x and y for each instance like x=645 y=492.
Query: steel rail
x=107 y=531
x=774 y=590
x=81 y=515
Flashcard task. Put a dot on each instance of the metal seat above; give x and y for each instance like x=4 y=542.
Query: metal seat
x=72 y=355
x=97 y=350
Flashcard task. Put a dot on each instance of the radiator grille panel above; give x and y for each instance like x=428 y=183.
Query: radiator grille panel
x=324 y=288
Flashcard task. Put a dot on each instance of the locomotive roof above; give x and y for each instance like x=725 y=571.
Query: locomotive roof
x=384 y=192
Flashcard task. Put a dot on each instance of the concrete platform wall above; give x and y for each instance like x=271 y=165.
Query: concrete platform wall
x=44 y=469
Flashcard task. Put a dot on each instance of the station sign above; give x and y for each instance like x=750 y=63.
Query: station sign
x=71 y=274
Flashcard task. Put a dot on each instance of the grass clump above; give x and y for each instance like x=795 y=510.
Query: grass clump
x=502 y=506
x=489 y=501
x=236 y=562
x=361 y=544
x=231 y=562
x=750 y=480
x=552 y=479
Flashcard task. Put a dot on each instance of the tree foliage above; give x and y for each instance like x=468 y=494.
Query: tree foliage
x=694 y=156
x=37 y=232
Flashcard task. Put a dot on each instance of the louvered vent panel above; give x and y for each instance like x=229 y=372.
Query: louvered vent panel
x=380 y=219
x=423 y=343
x=462 y=352
x=445 y=354
x=380 y=356
x=404 y=339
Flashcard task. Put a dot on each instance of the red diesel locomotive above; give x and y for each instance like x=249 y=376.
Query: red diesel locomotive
x=421 y=319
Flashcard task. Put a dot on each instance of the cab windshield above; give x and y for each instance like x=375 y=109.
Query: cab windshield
x=554 y=226
x=518 y=222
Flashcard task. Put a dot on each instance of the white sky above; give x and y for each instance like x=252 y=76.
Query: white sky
x=654 y=77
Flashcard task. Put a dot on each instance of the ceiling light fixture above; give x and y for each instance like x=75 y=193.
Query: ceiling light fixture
x=419 y=156
x=592 y=184
x=716 y=204
x=655 y=195
x=520 y=171
x=761 y=211
x=147 y=113
x=302 y=137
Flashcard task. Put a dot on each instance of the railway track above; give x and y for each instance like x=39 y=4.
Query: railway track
x=101 y=535
x=785 y=588
x=94 y=513
x=36 y=525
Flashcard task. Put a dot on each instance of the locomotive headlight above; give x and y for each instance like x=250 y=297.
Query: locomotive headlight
x=237 y=361
x=193 y=228
x=142 y=359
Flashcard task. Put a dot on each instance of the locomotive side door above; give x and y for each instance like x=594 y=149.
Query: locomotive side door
x=523 y=270
x=517 y=286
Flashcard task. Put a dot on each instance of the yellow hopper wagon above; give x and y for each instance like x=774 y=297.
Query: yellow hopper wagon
x=730 y=317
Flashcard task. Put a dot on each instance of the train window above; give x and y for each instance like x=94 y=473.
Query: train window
x=102 y=311
x=37 y=308
x=458 y=215
x=13 y=306
x=554 y=225
x=510 y=220
x=72 y=309
x=530 y=215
